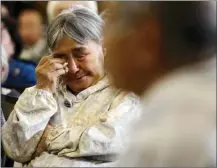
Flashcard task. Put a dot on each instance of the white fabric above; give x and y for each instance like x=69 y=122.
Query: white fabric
x=178 y=127
x=5 y=91
x=35 y=52
x=97 y=123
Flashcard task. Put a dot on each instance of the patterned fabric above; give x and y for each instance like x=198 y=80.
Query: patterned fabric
x=178 y=126
x=96 y=122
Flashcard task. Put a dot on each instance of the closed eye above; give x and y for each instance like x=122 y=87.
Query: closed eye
x=59 y=55
x=80 y=52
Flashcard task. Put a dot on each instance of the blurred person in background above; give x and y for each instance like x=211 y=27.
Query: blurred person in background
x=31 y=30
x=21 y=74
x=56 y=7
x=5 y=66
x=166 y=53
x=4 y=11
x=73 y=116
x=5 y=161
x=10 y=37
x=4 y=74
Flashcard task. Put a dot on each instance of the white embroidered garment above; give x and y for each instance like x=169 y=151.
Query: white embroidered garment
x=95 y=124
x=178 y=124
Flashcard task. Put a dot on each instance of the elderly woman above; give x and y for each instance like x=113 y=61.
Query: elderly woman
x=73 y=112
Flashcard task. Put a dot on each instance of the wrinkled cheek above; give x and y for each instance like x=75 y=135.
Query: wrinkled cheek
x=94 y=67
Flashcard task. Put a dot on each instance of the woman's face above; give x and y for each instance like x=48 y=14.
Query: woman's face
x=85 y=63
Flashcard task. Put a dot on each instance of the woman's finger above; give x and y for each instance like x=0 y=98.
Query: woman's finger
x=60 y=72
x=56 y=60
x=43 y=60
x=56 y=66
x=50 y=60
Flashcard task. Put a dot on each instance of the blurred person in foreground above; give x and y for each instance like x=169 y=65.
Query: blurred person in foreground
x=73 y=112
x=30 y=25
x=56 y=7
x=166 y=53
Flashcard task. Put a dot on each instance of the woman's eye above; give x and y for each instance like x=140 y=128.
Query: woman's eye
x=59 y=56
x=80 y=54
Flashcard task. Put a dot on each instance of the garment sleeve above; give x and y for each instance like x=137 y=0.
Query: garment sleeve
x=108 y=136
x=26 y=123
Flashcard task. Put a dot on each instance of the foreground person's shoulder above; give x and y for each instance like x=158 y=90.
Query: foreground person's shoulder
x=127 y=95
x=125 y=98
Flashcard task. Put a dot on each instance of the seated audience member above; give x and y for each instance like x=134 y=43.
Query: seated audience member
x=56 y=7
x=4 y=74
x=4 y=11
x=72 y=112
x=5 y=161
x=30 y=23
x=166 y=53
x=10 y=36
x=21 y=73
x=6 y=41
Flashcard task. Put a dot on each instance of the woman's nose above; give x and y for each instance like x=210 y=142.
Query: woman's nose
x=73 y=67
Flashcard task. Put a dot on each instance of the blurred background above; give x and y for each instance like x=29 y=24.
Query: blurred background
x=23 y=40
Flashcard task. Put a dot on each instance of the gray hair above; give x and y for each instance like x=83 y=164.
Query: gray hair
x=53 y=6
x=81 y=24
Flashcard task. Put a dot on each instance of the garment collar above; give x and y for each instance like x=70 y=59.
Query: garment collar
x=102 y=84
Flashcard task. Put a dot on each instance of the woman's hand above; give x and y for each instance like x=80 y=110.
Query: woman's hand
x=48 y=71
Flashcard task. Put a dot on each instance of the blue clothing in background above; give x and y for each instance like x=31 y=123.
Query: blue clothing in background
x=21 y=74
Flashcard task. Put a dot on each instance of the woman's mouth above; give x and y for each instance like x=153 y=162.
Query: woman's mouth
x=77 y=78
x=80 y=77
